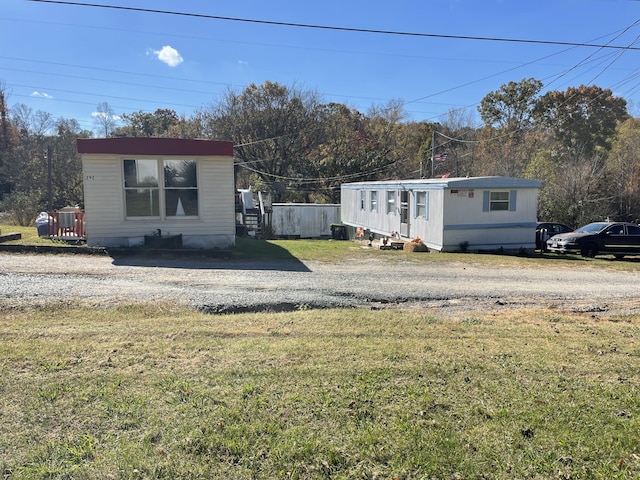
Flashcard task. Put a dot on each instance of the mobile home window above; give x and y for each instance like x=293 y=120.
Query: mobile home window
x=180 y=188
x=361 y=199
x=421 y=204
x=374 y=201
x=391 y=201
x=498 y=201
x=141 y=188
x=146 y=196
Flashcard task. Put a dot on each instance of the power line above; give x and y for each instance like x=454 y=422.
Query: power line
x=336 y=28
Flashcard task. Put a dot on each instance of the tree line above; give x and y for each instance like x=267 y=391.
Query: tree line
x=582 y=143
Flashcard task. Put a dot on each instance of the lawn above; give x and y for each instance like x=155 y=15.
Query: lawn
x=349 y=251
x=156 y=391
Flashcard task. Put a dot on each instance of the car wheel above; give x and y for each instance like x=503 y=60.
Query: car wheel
x=619 y=256
x=590 y=250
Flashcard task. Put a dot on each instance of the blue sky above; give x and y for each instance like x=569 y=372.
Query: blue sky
x=66 y=59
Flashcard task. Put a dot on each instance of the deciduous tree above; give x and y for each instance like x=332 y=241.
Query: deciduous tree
x=8 y=142
x=581 y=119
x=274 y=129
x=105 y=119
x=623 y=169
x=145 y=124
x=506 y=144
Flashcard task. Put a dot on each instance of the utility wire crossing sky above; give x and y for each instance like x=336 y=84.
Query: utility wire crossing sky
x=437 y=58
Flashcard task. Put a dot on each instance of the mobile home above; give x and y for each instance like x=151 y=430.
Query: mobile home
x=156 y=190
x=447 y=214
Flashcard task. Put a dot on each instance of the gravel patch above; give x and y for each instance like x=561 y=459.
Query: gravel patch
x=222 y=285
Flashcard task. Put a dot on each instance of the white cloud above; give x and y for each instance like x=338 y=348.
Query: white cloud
x=169 y=55
x=41 y=95
x=106 y=115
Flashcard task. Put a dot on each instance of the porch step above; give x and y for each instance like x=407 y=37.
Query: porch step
x=252 y=222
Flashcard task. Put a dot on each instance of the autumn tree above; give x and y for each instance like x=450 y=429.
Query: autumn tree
x=356 y=147
x=505 y=143
x=456 y=135
x=582 y=120
x=8 y=142
x=381 y=154
x=274 y=129
x=28 y=165
x=623 y=171
x=145 y=124
x=335 y=156
x=66 y=164
x=580 y=126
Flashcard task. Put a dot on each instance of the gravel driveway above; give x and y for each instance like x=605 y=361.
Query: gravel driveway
x=232 y=285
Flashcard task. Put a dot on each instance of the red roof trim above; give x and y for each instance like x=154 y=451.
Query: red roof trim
x=154 y=146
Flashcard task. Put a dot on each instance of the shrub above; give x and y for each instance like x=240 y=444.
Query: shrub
x=21 y=208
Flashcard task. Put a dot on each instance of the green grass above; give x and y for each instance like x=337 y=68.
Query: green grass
x=29 y=236
x=346 y=251
x=155 y=391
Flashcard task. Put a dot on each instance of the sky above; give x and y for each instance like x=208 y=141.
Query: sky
x=437 y=57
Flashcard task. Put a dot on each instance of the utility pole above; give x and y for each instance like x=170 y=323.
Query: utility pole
x=433 y=153
x=49 y=171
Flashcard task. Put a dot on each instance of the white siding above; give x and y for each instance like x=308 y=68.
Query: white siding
x=455 y=212
x=305 y=220
x=378 y=221
x=466 y=221
x=105 y=215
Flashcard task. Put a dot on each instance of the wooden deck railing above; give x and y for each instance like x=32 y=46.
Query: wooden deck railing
x=66 y=224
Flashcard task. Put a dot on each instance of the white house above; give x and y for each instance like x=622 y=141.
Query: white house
x=448 y=214
x=138 y=190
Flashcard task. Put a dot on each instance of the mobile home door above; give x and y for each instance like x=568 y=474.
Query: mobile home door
x=404 y=213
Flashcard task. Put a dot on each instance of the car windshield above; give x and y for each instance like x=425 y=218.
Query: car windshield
x=593 y=227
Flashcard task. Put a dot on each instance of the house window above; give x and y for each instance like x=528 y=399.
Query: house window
x=361 y=199
x=498 y=201
x=145 y=196
x=374 y=201
x=391 y=201
x=141 y=188
x=422 y=200
x=180 y=188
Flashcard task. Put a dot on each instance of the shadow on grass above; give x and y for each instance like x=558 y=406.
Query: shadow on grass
x=245 y=255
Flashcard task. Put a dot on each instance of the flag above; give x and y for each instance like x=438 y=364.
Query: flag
x=440 y=157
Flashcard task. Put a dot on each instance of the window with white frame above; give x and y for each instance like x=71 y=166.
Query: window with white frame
x=146 y=196
x=391 y=201
x=141 y=188
x=180 y=188
x=422 y=199
x=361 y=199
x=373 y=205
x=498 y=201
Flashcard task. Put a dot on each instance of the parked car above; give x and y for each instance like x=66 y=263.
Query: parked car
x=546 y=230
x=599 y=238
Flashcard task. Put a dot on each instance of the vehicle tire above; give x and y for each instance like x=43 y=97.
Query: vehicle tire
x=618 y=256
x=589 y=250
